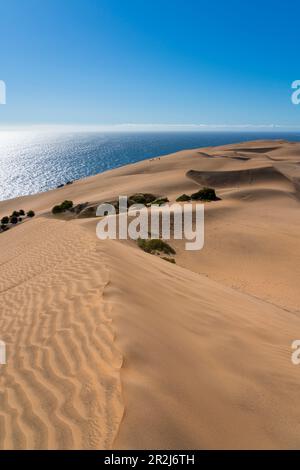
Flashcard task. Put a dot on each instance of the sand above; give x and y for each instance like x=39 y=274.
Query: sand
x=110 y=347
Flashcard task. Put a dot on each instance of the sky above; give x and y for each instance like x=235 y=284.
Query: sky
x=176 y=63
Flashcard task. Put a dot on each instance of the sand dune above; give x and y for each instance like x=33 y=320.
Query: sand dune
x=211 y=365
x=236 y=177
x=99 y=332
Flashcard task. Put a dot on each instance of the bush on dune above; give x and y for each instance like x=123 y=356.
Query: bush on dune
x=160 y=201
x=56 y=210
x=154 y=245
x=14 y=220
x=205 y=194
x=64 y=206
x=15 y=214
x=183 y=198
x=147 y=199
x=5 y=220
x=141 y=198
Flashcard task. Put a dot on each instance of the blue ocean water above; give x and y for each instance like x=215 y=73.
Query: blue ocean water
x=32 y=162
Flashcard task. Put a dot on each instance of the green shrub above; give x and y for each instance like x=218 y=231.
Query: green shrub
x=15 y=214
x=64 y=206
x=57 y=210
x=21 y=212
x=205 y=194
x=14 y=220
x=151 y=246
x=183 y=198
x=30 y=213
x=4 y=220
x=141 y=198
x=160 y=201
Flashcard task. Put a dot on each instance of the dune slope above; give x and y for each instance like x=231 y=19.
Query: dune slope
x=60 y=388
x=205 y=367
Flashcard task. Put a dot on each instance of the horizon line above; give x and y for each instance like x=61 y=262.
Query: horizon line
x=143 y=127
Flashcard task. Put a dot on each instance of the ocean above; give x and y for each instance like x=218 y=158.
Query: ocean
x=32 y=162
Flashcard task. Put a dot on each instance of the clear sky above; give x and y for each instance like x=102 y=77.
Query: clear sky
x=149 y=61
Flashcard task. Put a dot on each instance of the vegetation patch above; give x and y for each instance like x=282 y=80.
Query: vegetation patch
x=205 y=194
x=14 y=218
x=155 y=245
x=141 y=198
x=183 y=198
x=63 y=207
x=159 y=201
x=5 y=220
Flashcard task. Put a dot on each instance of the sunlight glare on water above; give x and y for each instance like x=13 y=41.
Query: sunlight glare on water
x=35 y=161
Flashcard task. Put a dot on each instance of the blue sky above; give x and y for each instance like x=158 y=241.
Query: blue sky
x=140 y=61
